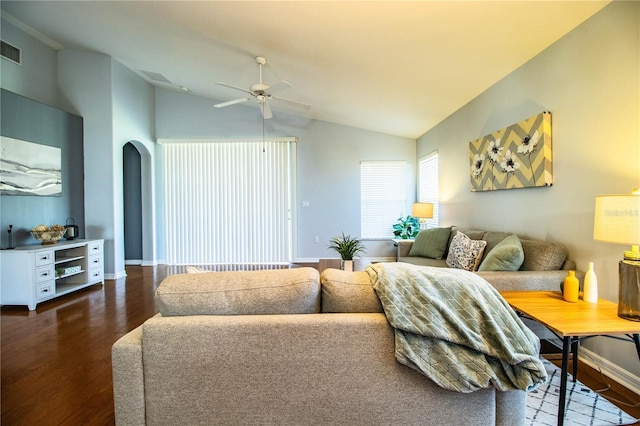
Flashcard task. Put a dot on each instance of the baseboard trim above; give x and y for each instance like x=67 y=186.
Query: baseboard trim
x=369 y=259
x=116 y=276
x=617 y=373
x=136 y=262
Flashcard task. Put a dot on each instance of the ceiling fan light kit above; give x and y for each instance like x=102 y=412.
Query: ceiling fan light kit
x=263 y=93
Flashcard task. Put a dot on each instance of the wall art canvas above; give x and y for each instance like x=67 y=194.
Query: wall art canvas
x=518 y=156
x=28 y=168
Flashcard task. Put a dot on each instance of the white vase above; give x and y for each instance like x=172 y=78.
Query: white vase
x=590 y=291
x=346 y=265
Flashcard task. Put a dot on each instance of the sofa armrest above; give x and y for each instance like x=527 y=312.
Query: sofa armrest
x=510 y=407
x=404 y=247
x=128 y=379
x=527 y=280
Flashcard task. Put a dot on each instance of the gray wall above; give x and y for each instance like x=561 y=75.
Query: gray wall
x=328 y=162
x=36 y=77
x=590 y=81
x=32 y=121
x=117 y=107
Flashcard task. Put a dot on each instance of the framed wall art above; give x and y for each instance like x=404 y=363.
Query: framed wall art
x=518 y=156
x=28 y=168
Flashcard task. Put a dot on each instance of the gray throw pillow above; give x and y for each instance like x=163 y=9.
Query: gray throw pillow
x=507 y=255
x=431 y=243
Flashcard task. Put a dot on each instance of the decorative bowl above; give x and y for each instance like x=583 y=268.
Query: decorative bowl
x=48 y=235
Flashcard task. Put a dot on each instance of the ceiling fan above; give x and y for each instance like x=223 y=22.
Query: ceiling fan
x=263 y=93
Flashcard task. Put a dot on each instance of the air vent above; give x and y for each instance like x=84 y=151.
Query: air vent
x=10 y=52
x=156 y=76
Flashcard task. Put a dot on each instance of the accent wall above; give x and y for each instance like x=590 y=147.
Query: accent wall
x=32 y=121
x=590 y=82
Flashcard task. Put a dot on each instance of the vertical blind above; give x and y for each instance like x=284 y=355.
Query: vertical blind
x=428 y=185
x=228 y=203
x=382 y=196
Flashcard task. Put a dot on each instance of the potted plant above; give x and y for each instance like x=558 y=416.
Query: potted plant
x=347 y=247
x=406 y=228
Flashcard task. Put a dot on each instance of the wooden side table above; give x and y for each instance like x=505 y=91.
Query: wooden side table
x=574 y=322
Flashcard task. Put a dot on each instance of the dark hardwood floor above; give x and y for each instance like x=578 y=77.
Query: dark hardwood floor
x=56 y=360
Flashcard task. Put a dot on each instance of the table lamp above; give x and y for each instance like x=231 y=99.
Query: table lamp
x=617 y=220
x=422 y=211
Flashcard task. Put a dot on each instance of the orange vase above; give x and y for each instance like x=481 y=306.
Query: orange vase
x=571 y=287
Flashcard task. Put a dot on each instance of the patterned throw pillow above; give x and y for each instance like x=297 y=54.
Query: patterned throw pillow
x=465 y=253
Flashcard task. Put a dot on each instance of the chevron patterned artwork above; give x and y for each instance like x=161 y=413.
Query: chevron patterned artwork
x=518 y=156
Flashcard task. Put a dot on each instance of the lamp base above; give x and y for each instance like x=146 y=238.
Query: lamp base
x=629 y=296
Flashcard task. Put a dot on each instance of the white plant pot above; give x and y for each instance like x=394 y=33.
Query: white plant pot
x=346 y=265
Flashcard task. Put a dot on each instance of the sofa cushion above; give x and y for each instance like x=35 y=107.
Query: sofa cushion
x=280 y=291
x=424 y=261
x=431 y=243
x=348 y=292
x=542 y=255
x=507 y=255
x=465 y=253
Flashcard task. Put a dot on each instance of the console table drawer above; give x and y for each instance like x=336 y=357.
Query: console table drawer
x=45 y=290
x=95 y=261
x=45 y=273
x=95 y=248
x=44 y=258
x=96 y=274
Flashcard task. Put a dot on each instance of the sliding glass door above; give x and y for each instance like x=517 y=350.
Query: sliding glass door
x=229 y=203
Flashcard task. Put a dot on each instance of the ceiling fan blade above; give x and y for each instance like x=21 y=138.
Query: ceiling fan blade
x=233 y=102
x=231 y=86
x=291 y=102
x=266 y=110
x=280 y=86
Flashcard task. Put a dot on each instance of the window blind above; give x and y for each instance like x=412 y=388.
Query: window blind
x=228 y=203
x=382 y=197
x=428 y=185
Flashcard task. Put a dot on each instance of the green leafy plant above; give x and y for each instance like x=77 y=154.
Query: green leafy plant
x=406 y=228
x=346 y=246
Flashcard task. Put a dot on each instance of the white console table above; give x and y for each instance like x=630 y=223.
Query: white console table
x=35 y=273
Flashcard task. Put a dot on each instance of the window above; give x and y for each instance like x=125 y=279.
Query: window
x=229 y=202
x=382 y=197
x=428 y=185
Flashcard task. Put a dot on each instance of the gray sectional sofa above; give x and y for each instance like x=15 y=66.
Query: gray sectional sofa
x=544 y=267
x=286 y=347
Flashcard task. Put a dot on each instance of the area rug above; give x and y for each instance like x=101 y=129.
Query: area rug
x=584 y=406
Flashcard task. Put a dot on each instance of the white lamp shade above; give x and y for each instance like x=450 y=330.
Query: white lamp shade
x=422 y=210
x=617 y=219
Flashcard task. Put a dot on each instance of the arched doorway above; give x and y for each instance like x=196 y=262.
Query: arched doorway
x=132 y=202
x=138 y=205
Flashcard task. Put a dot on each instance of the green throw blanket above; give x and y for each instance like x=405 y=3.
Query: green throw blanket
x=455 y=328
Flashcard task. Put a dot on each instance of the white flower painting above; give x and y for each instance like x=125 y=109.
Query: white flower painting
x=28 y=168
x=518 y=156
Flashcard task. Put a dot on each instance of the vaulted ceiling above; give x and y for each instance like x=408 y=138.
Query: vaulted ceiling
x=388 y=66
